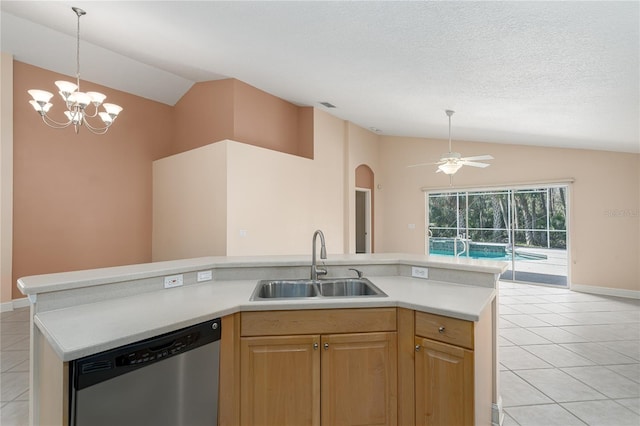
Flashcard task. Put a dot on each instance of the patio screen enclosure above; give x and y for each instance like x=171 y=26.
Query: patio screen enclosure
x=526 y=227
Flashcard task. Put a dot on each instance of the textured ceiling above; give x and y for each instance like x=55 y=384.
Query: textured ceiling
x=539 y=73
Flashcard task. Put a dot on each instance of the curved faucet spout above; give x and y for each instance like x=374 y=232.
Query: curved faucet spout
x=315 y=271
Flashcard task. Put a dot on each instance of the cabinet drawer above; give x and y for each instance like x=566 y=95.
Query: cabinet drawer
x=444 y=329
x=317 y=321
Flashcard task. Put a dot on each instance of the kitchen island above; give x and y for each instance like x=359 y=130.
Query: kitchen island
x=81 y=313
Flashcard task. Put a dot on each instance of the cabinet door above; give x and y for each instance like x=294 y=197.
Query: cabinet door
x=359 y=379
x=280 y=380
x=444 y=384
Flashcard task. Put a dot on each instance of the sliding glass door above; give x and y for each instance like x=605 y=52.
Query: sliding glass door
x=526 y=227
x=540 y=235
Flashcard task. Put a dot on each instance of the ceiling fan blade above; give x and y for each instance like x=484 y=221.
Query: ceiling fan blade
x=477 y=157
x=422 y=164
x=474 y=164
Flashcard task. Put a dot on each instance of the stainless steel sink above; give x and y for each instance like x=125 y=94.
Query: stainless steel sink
x=348 y=287
x=305 y=289
x=278 y=289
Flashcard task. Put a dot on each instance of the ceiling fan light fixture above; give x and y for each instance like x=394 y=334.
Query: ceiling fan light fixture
x=449 y=168
x=451 y=162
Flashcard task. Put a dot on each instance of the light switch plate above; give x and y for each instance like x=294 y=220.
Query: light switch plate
x=173 y=281
x=204 y=276
x=418 y=272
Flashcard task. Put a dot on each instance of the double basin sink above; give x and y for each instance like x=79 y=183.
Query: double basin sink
x=305 y=289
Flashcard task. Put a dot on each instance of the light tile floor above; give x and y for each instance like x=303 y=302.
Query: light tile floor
x=567 y=358
x=14 y=367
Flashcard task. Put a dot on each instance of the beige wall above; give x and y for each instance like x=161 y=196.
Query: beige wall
x=82 y=201
x=236 y=199
x=280 y=199
x=231 y=109
x=85 y=201
x=6 y=176
x=264 y=120
x=363 y=149
x=604 y=222
x=203 y=115
x=190 y=204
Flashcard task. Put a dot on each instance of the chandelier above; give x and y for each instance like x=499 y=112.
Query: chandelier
x=76 y=102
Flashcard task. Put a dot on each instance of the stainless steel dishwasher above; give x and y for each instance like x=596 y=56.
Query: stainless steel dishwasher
x=169 y=380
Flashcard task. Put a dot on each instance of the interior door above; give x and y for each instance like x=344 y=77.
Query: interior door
x=363 y=221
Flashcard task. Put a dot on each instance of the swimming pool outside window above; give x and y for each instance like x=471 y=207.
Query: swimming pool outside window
x=525 y=226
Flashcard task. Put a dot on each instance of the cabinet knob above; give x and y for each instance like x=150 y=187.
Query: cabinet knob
x=441 y=330
x=326 y=346
x=417 y=348
x=315 y=346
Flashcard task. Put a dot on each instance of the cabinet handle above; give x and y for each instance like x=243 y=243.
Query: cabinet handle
x=441 y=330
x=417 y=348
x=326 y=346
x=315 y=346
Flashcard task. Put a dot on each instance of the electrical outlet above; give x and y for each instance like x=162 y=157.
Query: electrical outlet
x=173 y=281
x=204 y=276
x=417 y=272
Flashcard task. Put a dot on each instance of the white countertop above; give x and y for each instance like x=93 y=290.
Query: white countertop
x=86 y=329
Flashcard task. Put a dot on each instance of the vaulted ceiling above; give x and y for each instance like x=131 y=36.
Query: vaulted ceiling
x=553 y=73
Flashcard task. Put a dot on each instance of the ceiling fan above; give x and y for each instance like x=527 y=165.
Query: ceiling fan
x=451 y=162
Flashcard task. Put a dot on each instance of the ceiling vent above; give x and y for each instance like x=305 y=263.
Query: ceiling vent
x=328 y=104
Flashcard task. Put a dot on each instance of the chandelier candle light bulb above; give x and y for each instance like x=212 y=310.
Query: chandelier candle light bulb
x=76 y=101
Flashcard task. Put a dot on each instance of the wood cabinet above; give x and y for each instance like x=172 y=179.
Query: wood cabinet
x=275 y=370
x=359 y=379
x=453 y=381
x=444 y=384
x=280 y=380
x=345 y=377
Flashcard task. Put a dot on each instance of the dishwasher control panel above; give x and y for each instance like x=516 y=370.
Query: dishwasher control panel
x=96 y=368
x=145 y=355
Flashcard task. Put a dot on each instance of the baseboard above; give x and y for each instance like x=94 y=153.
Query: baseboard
x=14 y=304
x=497 y=415
x=606 y=291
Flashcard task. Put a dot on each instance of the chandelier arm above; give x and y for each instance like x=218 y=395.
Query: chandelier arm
x=53 y=123
x=95 y=112
x=95 y=130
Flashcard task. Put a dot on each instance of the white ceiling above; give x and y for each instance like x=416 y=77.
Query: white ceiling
x=536 y=73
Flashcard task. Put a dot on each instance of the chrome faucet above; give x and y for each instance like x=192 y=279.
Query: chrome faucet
x=315 y=271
